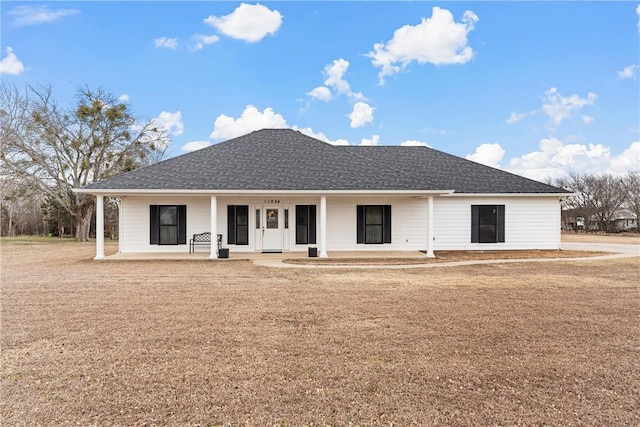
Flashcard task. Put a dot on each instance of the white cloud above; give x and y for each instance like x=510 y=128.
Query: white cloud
x=39 y=14
x=250 y=23
x=488 y=154
x=638 y=13
x=628 y=72
x=169 y=122
x=195 y=145
x=556 y=159
x=321 y=136
x=321 y=92
x=628 y=161
x=437 y=40
x=202 y=40
x=123 y=98
x=10 y=64
x=587 y=119
x=167 y=42
x=515 y=117
x=334 y=74
x=559 y=107
x=414 y=143
x=250 y=120
x=375 y=140
x=361 y=115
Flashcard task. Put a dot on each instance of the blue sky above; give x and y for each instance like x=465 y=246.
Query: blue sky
x=538 y=88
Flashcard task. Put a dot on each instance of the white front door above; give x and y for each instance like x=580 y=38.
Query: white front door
x=272 y=229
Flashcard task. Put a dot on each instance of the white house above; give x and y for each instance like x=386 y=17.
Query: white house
x=278 y=190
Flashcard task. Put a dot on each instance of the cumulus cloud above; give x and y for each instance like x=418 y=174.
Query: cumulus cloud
x=38 y=14
x=437 y=40
x=334 y=79
x=638 y=13
x=166 y=42
x=556 y=159
x=202 y=40
x=515 y=117
x=560 y=108
x=361 y=115
x=414 y=143
x=10 y=64
x=123 y=98
x=321 y=92
x=628 y=72
x=488 y=154
x=247 y=22
x=195 y=145
x=250 y=120
x=169 y=122
x=587 y=119
x=321 y=136
x=375 y=140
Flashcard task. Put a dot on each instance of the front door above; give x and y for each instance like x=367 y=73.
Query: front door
x=271 y=229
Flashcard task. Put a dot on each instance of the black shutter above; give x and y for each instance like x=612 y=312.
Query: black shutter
x=311 y=221
x=182 y=225
x=500 y=225
x=475 y=223
x=231 y=225
x=386 y=221
x=360 y=226
x=153 y=225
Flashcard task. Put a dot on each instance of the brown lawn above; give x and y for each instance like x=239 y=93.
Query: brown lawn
x=227 y=343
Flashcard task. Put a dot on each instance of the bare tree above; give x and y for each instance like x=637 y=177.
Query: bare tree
x=632 y=190
x=57 y=149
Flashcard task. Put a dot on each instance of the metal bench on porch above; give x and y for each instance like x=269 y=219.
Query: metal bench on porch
x=203 y=239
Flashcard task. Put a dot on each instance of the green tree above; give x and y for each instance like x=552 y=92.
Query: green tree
x=56 y=149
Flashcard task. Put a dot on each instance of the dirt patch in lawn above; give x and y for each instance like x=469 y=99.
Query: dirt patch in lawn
x=193 y=343
x=447 y=256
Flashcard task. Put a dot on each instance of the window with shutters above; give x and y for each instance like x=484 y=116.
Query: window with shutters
x=238 y=224
x=487 y=223
x=305 y=224
x=168 y=225
x=374 y=224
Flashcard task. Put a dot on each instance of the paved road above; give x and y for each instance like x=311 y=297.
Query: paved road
x=617 y=251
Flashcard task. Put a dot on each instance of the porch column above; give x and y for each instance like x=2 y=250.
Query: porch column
x=430 y=228
x=99 y=228
x=323 y=227
x=214 y=228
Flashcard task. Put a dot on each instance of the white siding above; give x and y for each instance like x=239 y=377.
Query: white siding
x=530 y=222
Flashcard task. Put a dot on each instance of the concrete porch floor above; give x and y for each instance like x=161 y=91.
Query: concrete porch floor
x=252 y=256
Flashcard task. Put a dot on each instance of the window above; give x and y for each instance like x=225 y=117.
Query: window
x=286 y=218
x=487 y=223
x=237 y=225
x=168 y=225
x=305 y=224
x=374 y=224
x=257 y=219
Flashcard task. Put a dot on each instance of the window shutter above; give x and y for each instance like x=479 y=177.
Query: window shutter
x=386 y=224
x=153 y=225
x=475 y=223
x=231 y=225
x=360 y=225
x=500 y=225
x=312 y=224
x=182 y=225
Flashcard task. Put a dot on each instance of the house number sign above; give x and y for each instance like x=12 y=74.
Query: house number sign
x=271 y=201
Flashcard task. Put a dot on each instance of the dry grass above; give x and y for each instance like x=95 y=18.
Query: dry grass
x=192 y=343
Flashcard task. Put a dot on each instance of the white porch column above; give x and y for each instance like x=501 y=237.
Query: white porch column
x=214 y=228
x=323 y=227
x=99 y=228
x=430 y=228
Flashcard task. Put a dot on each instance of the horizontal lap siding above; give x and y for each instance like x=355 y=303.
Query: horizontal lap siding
x=408 y=223
x=135 y=222
x=530 y=223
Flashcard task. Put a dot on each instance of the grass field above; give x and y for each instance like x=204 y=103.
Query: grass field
x=228 y=343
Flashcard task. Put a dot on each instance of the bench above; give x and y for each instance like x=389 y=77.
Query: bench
x=203 y=239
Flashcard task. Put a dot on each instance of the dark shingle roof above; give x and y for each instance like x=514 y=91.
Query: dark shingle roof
x=284 y=159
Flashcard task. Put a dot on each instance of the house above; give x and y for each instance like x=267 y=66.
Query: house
x=278 y=190
x=625 y=220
